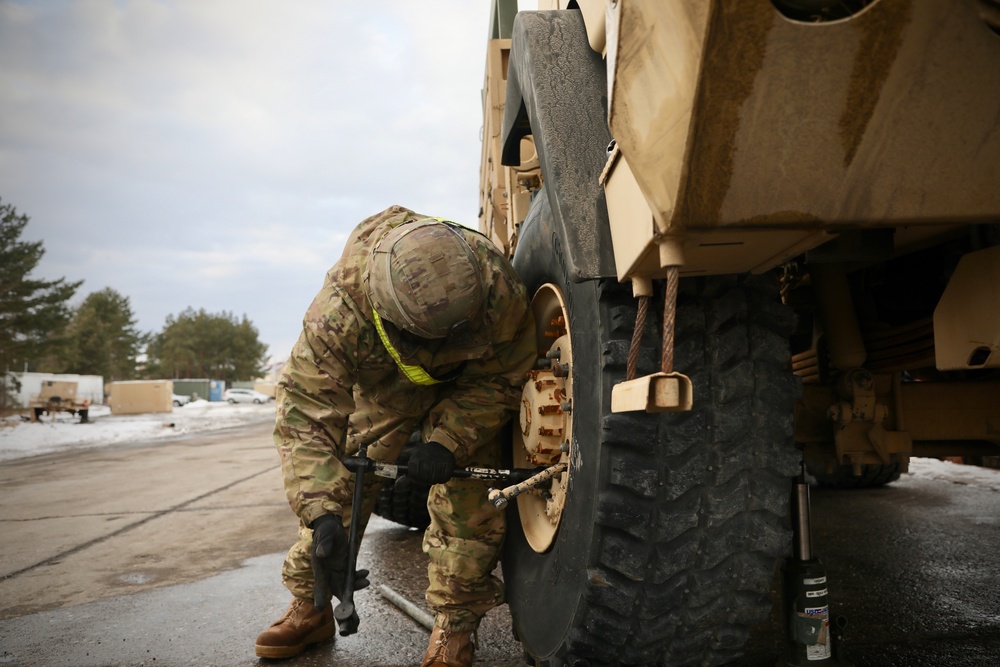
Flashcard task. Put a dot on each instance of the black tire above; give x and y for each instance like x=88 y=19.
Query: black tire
x=843 y=476
x=673 y=523
x=404 y=501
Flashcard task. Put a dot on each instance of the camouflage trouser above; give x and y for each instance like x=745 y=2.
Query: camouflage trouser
x=465 y=534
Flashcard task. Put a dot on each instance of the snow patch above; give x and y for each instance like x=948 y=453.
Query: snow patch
x=62 y=431
x=956 y=473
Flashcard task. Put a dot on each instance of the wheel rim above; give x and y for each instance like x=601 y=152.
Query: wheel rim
x=544 y=436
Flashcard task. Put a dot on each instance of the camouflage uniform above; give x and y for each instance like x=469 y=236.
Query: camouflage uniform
x=341 y=388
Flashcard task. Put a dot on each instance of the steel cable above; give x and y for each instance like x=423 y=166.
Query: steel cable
x=669 y=316
x=633 y=350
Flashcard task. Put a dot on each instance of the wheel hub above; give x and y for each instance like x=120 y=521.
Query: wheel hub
x=543 y=422
x=545 y=434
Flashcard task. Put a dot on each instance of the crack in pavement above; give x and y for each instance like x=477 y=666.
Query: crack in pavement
x=242 y=506
x=97 y=540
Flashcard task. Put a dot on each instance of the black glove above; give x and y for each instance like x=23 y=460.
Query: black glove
x=329 y=558
x=430 y=463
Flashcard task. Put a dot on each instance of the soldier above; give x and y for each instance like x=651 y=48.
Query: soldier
x=421 y=324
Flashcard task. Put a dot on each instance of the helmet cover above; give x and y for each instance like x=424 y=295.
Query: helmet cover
x=424 y=278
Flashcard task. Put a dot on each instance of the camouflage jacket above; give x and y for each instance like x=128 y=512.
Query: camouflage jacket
x=339 y=348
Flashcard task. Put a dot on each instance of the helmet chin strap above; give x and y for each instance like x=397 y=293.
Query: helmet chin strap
x=415 y=374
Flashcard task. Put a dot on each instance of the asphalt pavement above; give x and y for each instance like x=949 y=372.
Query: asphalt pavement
x=177 y=562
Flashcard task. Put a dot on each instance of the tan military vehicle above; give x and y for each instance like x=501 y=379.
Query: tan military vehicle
x=756 y=231
x=58 y=396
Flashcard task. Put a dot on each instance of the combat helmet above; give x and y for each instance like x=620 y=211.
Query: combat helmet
x=424 y=278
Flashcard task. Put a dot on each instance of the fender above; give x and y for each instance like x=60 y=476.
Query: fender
x=557 y=92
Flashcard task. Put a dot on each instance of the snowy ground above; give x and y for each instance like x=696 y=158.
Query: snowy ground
x=63 y=431
x=53 y=434
x=987 y=478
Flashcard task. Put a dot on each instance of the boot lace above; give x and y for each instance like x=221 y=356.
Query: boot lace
x=440 y=651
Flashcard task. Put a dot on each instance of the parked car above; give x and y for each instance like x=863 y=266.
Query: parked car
x=180 y=400
x=245 y=396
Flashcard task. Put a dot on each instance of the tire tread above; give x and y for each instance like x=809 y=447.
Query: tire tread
x=689 y=540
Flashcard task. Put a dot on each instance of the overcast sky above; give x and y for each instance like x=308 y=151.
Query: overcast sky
x=216 y=153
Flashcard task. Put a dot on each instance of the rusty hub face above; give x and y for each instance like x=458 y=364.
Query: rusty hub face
x=545 y=434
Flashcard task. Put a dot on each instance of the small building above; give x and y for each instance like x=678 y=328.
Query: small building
x=204 y=388
x=263 y=386
x=134 y=397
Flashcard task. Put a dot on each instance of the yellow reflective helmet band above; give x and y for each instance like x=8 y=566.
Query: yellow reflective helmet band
x=415 y=374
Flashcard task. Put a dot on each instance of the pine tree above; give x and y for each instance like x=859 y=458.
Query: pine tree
x=197 y=344
x=102 y=338
x=33 y=312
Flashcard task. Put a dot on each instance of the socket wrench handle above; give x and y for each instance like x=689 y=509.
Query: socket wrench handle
x=345 y=613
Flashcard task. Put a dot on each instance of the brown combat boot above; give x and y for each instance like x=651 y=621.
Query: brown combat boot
x=301 y=626
x=448 y=648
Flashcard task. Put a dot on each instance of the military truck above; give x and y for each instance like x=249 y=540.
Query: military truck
x=755 y=233
x=58 y=396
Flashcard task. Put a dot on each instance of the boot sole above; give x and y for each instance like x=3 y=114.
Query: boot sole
x=316 y=636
